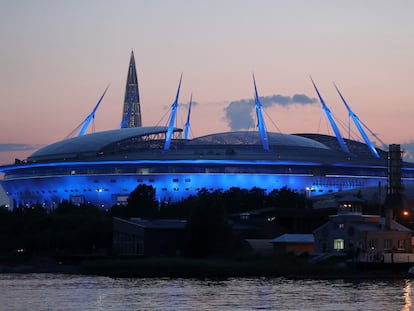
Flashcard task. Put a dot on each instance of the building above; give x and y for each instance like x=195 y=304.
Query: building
x=131 y=114
x=296 y=244
x=139 y=237
x=363 y=237
x=103 y=168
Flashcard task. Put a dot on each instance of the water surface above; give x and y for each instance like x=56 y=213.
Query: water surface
x=76 y=292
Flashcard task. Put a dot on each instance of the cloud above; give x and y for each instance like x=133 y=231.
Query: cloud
x=185 y=105
x=182 y=105
x=17 y=147
x=239 y=114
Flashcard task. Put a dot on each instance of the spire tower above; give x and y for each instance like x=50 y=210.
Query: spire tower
x=131 y=115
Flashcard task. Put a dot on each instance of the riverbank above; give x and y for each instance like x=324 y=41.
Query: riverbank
x=289 y=267
x=178 y=267
x=37 y=264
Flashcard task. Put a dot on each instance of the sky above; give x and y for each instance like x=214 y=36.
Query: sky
x=57 y=57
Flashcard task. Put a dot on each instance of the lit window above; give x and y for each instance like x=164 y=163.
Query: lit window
x=372 y=244
x=339 y=244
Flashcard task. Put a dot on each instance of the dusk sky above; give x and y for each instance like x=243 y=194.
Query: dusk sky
x=57 y=57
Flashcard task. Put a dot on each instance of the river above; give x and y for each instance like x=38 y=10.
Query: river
x=77 y=292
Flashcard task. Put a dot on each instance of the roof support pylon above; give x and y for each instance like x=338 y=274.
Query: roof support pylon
x=261 y=126
x=187 y=123
x=358 y=125
x=170 y=130
x=91 y=116
x=328 y=113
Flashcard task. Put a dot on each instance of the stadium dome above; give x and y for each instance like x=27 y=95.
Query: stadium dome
x=103 y=168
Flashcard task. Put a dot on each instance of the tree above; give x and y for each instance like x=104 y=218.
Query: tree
x=208 y=232
x=287 y=198
x=74 y=228
x=142 y=203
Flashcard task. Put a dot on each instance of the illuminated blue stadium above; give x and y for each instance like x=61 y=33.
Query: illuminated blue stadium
x=103 y=168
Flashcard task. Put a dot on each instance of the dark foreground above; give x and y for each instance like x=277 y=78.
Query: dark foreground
x=289 y=267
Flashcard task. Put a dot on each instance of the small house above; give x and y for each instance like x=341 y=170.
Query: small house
x=296 y=244
x=364 y=237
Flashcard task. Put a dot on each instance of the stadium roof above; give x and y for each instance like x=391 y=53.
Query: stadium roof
x=144 y=142
x=253 y=138
x=93 y=143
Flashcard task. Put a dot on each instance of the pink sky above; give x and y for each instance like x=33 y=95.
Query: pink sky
x=58 y=56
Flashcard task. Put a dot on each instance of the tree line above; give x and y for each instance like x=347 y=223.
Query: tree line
x=84 y=228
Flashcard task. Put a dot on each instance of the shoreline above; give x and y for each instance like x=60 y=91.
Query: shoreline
x=290 y=267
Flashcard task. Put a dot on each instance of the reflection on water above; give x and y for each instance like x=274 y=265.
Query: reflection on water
x=75 y=292
x=407 y=296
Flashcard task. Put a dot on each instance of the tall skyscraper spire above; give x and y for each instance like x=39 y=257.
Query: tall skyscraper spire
x=131 y=116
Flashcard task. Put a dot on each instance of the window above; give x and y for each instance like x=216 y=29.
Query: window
x=341 y=226
x=387 y=244
x=339 y=244
x=401 y=244
x=372 y=244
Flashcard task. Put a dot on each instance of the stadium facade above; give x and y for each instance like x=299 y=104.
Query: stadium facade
x=103 y=168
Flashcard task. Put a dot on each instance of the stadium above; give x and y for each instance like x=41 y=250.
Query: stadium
x=103 y=168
